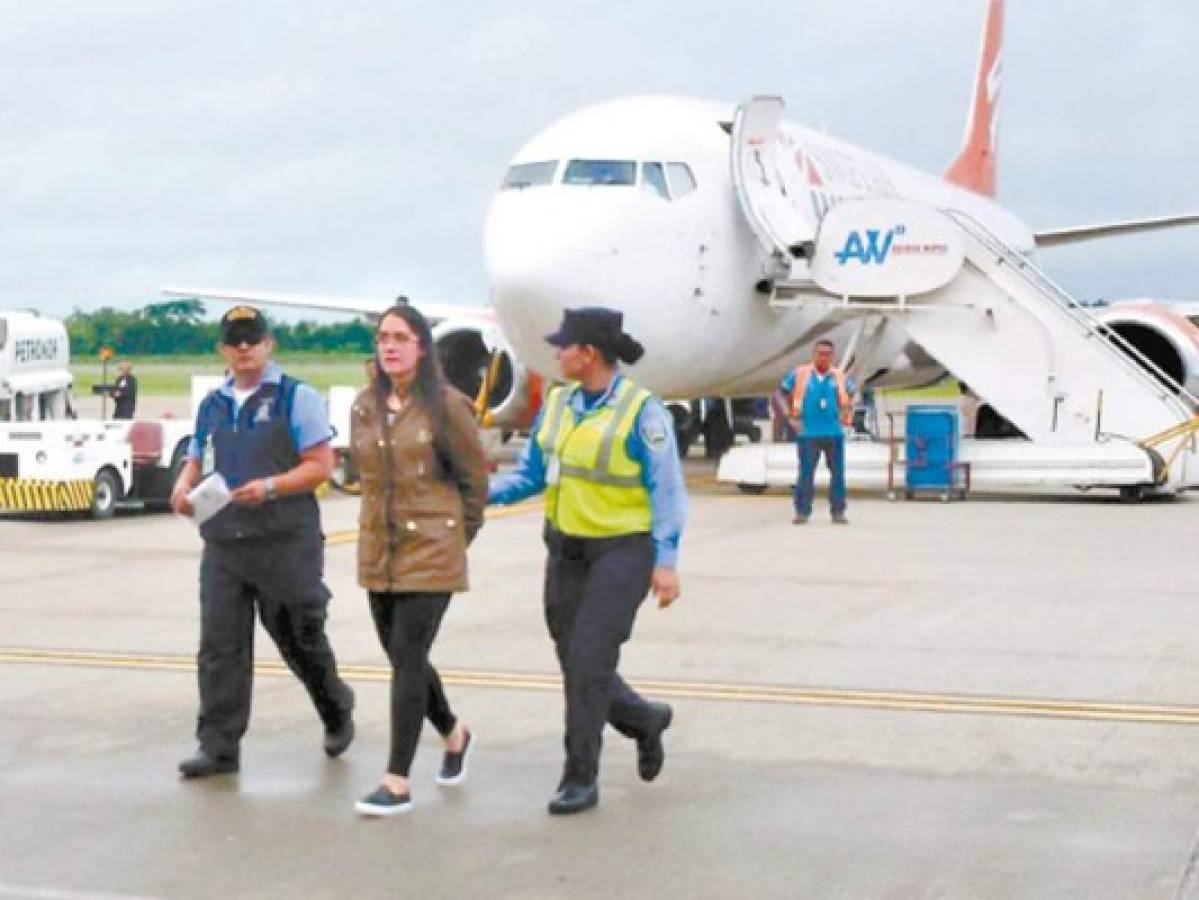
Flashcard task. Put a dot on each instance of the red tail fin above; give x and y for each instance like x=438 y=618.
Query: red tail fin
x=975 y=166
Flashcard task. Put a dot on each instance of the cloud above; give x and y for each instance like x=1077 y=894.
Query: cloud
x=354 y=147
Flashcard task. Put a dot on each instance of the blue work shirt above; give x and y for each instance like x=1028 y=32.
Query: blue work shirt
x=817 y=418
x=308 y=422
x=650 y=442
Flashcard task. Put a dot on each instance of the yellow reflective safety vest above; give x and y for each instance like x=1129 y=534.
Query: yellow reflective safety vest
x=593 y=487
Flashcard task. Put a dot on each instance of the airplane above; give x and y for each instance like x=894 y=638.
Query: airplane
x=668 y=209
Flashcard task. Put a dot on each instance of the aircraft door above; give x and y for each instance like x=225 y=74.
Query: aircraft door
x=773 y=202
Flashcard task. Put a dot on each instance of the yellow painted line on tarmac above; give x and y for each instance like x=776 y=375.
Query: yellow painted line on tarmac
x=898 y=701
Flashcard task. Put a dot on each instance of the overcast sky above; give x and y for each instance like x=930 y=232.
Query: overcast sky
x=353 y=147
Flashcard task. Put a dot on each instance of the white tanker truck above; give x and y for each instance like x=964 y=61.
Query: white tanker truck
x=51 y=461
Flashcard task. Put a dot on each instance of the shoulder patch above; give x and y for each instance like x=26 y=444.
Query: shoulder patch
x=653 y=432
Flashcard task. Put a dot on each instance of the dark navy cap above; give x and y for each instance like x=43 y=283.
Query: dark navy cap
x=597 y=326
x=243 y=324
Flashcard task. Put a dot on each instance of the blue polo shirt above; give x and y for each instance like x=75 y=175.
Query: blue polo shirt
x=650 y=442
x=308 y=423
x=819 y=415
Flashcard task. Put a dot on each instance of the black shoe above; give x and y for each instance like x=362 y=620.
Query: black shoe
x=574 y=798
x=338 y=740
x=201 y=764
x=650 y=753
x=382 y=802
x=453 y=765
x=839 y=518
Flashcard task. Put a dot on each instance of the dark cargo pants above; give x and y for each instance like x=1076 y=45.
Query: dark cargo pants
x=593 y=588
x=283 y=579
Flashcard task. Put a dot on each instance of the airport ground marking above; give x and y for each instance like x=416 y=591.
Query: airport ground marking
x=794 y=695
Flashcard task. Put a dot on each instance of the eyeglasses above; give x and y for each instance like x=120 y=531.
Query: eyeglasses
x=394 y=337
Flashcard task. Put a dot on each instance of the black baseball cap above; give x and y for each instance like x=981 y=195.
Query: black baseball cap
x=243 y=324
x=597 y=326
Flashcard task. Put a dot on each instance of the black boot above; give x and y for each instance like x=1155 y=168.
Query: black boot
x=650 y=753
x=573 y=797
x=201 y=764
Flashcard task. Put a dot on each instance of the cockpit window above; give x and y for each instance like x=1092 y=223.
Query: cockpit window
x=600 y=171
x=682 y=182
x=653 y=179
x=534 y=174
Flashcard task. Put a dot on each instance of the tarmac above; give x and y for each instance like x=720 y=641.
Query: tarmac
x=988 y=699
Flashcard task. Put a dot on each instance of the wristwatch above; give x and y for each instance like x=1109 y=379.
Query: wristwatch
x=271 y=493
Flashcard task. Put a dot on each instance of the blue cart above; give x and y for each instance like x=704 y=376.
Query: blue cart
x=931 y=452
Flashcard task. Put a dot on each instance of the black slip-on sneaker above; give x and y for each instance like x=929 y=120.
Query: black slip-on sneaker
x=382 y=802
x=453 y=765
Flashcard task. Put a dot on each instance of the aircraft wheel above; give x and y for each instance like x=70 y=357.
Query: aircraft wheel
x=106 y=490
x=684 y=426
x=746 y=488
x=1133 y=493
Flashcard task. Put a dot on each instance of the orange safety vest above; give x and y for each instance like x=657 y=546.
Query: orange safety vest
x=802 y=374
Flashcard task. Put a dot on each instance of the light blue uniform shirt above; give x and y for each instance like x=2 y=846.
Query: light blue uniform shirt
x=819 y=415
x=308 y=424
x=650 y=442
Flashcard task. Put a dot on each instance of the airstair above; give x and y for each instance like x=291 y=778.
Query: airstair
x=1101 y=413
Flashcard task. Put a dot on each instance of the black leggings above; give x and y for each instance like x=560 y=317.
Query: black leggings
x=407 y=623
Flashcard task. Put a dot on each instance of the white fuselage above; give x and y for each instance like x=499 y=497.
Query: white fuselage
x=683 y=269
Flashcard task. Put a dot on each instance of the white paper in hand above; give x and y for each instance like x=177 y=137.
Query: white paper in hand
x=209 y=497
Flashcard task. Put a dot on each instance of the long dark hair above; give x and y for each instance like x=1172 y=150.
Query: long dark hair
x=428 y=384
x=428 y=387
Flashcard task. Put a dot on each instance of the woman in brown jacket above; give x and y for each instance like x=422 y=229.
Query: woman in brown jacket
x=424 y=486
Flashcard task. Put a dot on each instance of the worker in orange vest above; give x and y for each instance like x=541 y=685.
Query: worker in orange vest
x=820 y=404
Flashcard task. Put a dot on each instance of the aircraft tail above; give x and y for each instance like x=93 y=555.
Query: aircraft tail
x=975 y=166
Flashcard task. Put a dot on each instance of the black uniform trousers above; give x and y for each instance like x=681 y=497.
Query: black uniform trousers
x=407 y=623
x=282 y=577
x=593 y=588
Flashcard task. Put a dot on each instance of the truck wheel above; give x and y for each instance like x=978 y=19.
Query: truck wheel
x=106 y=490
x=344 y=476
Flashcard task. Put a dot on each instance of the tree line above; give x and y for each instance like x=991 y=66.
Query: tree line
x=182 y=326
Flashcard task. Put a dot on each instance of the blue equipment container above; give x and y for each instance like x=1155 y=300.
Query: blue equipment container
x=931 y=450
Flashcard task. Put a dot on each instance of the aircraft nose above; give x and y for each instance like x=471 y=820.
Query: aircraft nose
x=541 y=258
x=538 y=243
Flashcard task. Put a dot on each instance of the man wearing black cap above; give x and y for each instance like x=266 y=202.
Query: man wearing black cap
x=603 y=450
x=268 y=436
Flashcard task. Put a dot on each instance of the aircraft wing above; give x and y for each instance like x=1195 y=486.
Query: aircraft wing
x=1111 y=229
x=370 y=306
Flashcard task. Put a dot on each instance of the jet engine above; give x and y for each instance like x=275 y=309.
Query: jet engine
x=473 y=355
x=1164 y=337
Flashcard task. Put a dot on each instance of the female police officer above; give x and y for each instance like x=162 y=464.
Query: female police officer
x=603 y=449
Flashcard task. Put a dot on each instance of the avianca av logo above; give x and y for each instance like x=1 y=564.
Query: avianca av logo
x=873 y=249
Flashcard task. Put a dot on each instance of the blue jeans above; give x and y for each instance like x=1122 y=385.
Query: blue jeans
x=809 y=449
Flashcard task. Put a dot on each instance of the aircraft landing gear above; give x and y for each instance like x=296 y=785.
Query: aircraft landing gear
x=717 y=420
x=717 y=429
